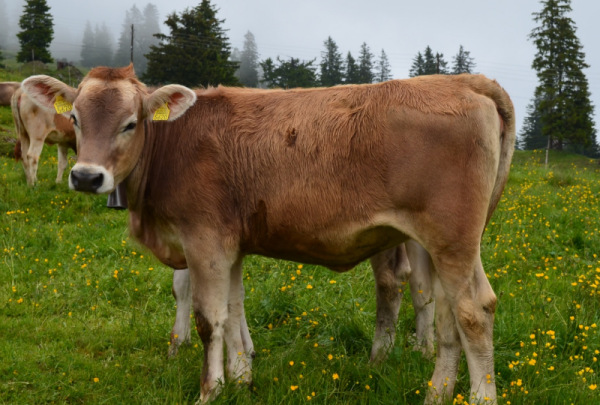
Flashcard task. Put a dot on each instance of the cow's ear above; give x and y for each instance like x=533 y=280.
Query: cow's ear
x=169 y=102
x=50 y=93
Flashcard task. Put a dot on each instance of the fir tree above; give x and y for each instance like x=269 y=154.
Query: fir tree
x=418 y=66
x=248 y=58
x=441 y=64
x=235 y=56
x=37 y=32
x=88 y=46
x=430 y=65
x=463 y=62
x=103 y=46
x=351 y=75
x=531 y=136
x=195 y=53
x=1 y=58
x=564 y=107
x=365 y=65
x=144 y=37
x=289 y=74
x=383 y=71
x=332 y=66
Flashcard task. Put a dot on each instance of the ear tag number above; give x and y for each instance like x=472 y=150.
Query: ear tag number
x=162 y=114
x=62 y=106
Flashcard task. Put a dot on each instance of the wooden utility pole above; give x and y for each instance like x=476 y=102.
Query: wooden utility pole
x=437 y=56
x=131 y=43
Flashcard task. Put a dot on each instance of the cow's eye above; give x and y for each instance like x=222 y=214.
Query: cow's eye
x=74 y=120
x=129 y=127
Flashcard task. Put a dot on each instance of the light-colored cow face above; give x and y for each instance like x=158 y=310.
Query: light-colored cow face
x=108 y=110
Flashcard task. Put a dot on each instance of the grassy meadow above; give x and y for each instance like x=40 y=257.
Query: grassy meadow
x=86 y=313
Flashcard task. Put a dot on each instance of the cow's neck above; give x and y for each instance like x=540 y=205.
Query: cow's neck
x=136 y=182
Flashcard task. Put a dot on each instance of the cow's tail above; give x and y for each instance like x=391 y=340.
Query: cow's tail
x=508 y=135
x=19 y=127
x=506 y=112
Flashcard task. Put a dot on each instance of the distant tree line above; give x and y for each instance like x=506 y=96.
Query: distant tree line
x=98 y=44
x=333 y=69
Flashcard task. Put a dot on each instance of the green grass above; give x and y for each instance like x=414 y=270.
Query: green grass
x=65 y=319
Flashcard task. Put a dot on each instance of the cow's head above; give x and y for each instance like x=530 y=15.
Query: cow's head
x=107 y=111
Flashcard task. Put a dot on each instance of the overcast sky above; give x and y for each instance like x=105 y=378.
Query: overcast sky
x=495 y=32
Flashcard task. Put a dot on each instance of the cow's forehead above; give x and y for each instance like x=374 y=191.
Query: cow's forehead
x=119 y=94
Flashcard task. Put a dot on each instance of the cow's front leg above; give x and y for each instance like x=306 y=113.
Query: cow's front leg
x=239 y=355
x=182 y=292
x=210 y=265
x=391 y=269
x=63 y=162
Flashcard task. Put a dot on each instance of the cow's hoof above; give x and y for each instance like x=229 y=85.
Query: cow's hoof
x=427 y=351
x=174 y=347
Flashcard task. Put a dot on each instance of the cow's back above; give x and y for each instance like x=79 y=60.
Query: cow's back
x=7 y=89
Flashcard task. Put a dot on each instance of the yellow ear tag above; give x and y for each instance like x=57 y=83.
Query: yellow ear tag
x=162 y=114
x=62 y=106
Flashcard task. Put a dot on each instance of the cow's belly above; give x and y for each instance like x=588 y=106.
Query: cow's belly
x=340 y=249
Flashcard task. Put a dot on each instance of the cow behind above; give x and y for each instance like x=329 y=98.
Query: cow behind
x=36 y=126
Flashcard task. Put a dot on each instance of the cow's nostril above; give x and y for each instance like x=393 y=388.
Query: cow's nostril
x=74 y=180
x=97 y=181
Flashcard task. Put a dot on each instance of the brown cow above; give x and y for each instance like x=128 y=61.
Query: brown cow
x=325 y=176
x=36 y=126
x=7 y=89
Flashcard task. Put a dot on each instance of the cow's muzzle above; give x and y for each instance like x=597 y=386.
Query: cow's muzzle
x=91 y=178
x=89 y=182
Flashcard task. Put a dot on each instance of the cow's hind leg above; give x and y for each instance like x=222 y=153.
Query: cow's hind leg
x=182 y=292
x=391 y=270
x=239 y=360
x=24 y=150
x=63 y=152
x=421 y=292
x=448 y=348
x=246 y=339
x=465 y=297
